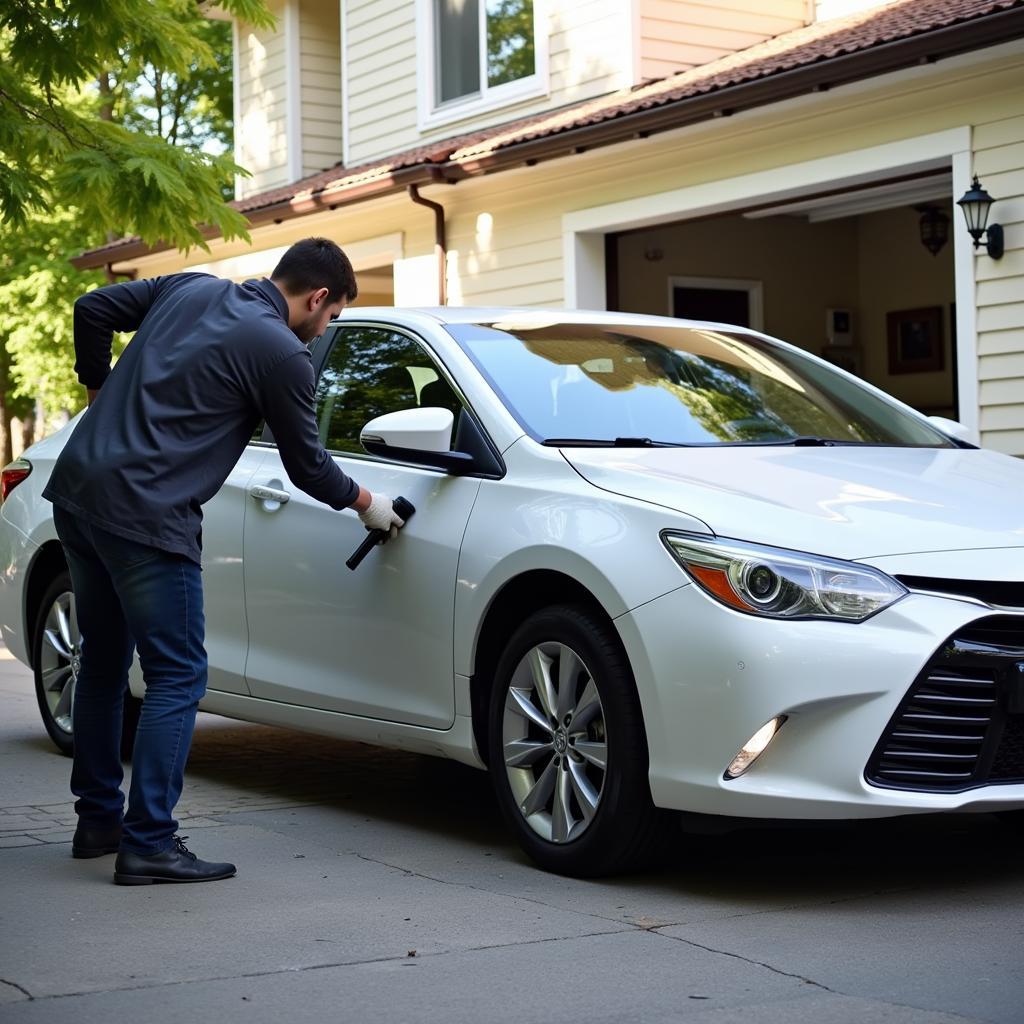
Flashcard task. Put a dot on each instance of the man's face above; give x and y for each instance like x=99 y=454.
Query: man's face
x=318 y=313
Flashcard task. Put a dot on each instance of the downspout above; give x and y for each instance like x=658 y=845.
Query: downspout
x=113 y=275
x=440 y=242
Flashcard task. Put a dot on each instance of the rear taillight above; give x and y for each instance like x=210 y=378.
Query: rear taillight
x=13 y=475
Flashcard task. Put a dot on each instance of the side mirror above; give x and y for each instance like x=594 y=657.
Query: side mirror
x=951 y=427
x=420 y=436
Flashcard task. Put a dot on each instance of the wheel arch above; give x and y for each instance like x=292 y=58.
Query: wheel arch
x=519 y=597
x=48 y=562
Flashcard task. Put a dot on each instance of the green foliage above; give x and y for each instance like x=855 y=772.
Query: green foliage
x=38 y=286
x=510 y=41
x=115 y=118
x=59 y=148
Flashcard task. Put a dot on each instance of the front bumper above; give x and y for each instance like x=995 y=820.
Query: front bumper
x=710 y=677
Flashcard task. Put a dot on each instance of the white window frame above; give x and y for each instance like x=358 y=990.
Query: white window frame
x=754 y=290
x=431 y=115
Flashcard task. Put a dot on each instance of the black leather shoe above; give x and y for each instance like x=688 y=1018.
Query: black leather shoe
x=95 y=842
x=175 y=864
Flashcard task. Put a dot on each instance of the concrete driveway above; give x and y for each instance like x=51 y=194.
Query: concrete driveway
x=376 y=886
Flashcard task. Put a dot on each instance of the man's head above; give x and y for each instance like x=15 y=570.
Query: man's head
x=317 y=281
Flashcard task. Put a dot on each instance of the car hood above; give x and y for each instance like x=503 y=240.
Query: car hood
x=848 y=502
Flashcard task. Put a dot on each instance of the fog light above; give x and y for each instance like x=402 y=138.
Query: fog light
x=754 y=748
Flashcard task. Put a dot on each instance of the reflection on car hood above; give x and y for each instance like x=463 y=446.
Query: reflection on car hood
x=848 y=502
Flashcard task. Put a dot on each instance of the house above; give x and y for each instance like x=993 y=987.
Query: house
x=787 y=164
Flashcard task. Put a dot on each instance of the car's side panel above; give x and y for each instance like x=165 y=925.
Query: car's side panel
x=543 y=515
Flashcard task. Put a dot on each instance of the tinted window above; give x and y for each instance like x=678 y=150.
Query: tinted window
x=371 y=371
x=677 y=385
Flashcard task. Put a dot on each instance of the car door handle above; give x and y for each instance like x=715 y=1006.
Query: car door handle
x=261 y=493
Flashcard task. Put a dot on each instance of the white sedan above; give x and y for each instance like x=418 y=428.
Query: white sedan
x=654 y=566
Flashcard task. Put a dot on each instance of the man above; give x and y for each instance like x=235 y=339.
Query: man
x=210 y=359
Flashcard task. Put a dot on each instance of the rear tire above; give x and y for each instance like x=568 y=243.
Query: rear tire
x=568 y=749
x=56 y=647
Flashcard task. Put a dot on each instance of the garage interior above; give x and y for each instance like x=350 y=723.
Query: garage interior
x=863 y=277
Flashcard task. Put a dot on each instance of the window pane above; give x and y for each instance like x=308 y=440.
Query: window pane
x=510 y=50
x=372 y=371
x=457 y=48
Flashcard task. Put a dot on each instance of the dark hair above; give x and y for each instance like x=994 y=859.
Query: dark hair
x=316 y=263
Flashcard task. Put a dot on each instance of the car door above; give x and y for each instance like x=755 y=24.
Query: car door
x=376 y=642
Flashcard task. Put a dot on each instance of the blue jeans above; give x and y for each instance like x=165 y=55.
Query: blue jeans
x=130 y=595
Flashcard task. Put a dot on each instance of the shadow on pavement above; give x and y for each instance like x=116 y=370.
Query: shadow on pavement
x=447 y=799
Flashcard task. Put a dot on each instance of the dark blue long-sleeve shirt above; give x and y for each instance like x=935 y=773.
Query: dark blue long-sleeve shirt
x=209 y=360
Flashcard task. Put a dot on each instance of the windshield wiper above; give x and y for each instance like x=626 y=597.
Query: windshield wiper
x=806 y=441
x=618 y=442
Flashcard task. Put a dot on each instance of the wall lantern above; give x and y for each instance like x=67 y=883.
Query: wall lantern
x=934 y=227
x=976 y=203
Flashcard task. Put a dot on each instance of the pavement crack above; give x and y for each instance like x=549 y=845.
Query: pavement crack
x=746 y=960
x=395 y=958
x=497 y=892
x=21 y=988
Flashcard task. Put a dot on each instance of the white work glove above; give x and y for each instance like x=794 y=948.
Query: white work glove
x=381 y=516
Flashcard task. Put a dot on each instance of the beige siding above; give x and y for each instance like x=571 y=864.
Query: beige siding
x=999 y=163
x=261 y=142
x=676 y=35
x=588 y=55
x=380 y=48
x=320 y=75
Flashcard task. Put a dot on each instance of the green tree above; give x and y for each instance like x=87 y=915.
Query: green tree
x=124 y=129
x=61 y=148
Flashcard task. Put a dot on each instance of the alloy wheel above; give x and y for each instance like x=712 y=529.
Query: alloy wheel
x=554 y=742
x=60 y=658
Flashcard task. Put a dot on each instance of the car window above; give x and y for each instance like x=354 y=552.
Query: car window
x=677 y=385
x=371 y=371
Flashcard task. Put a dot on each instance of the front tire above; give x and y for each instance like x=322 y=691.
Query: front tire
x=56 y=651
x=567 y=746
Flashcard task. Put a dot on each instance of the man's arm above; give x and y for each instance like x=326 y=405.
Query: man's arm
x=287 y=397
x=118 y=307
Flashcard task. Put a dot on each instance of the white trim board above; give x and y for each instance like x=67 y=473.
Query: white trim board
x=344 y=84
x=293 y=88
x=584 y=231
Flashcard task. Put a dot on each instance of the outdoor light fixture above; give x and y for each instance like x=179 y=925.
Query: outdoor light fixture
x=976 y=203
x=754 y=748
x=934 y=227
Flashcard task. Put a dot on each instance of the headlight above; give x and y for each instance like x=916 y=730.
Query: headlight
x=783 y=584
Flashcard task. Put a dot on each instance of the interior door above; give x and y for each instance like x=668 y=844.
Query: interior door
x=376 y=642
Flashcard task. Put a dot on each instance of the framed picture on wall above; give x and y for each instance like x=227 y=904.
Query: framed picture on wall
x=915 y=340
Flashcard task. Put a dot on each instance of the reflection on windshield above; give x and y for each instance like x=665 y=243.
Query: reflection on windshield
x=676 y=385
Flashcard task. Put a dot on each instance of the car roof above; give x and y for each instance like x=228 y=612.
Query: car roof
x=524 y=314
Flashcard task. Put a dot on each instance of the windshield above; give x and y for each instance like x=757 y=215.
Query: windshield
x=632 y=384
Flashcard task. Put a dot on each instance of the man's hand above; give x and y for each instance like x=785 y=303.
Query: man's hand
x=379 y=513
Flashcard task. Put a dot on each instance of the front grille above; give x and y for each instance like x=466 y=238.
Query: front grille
x=961 y=724
x=1006 y=595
